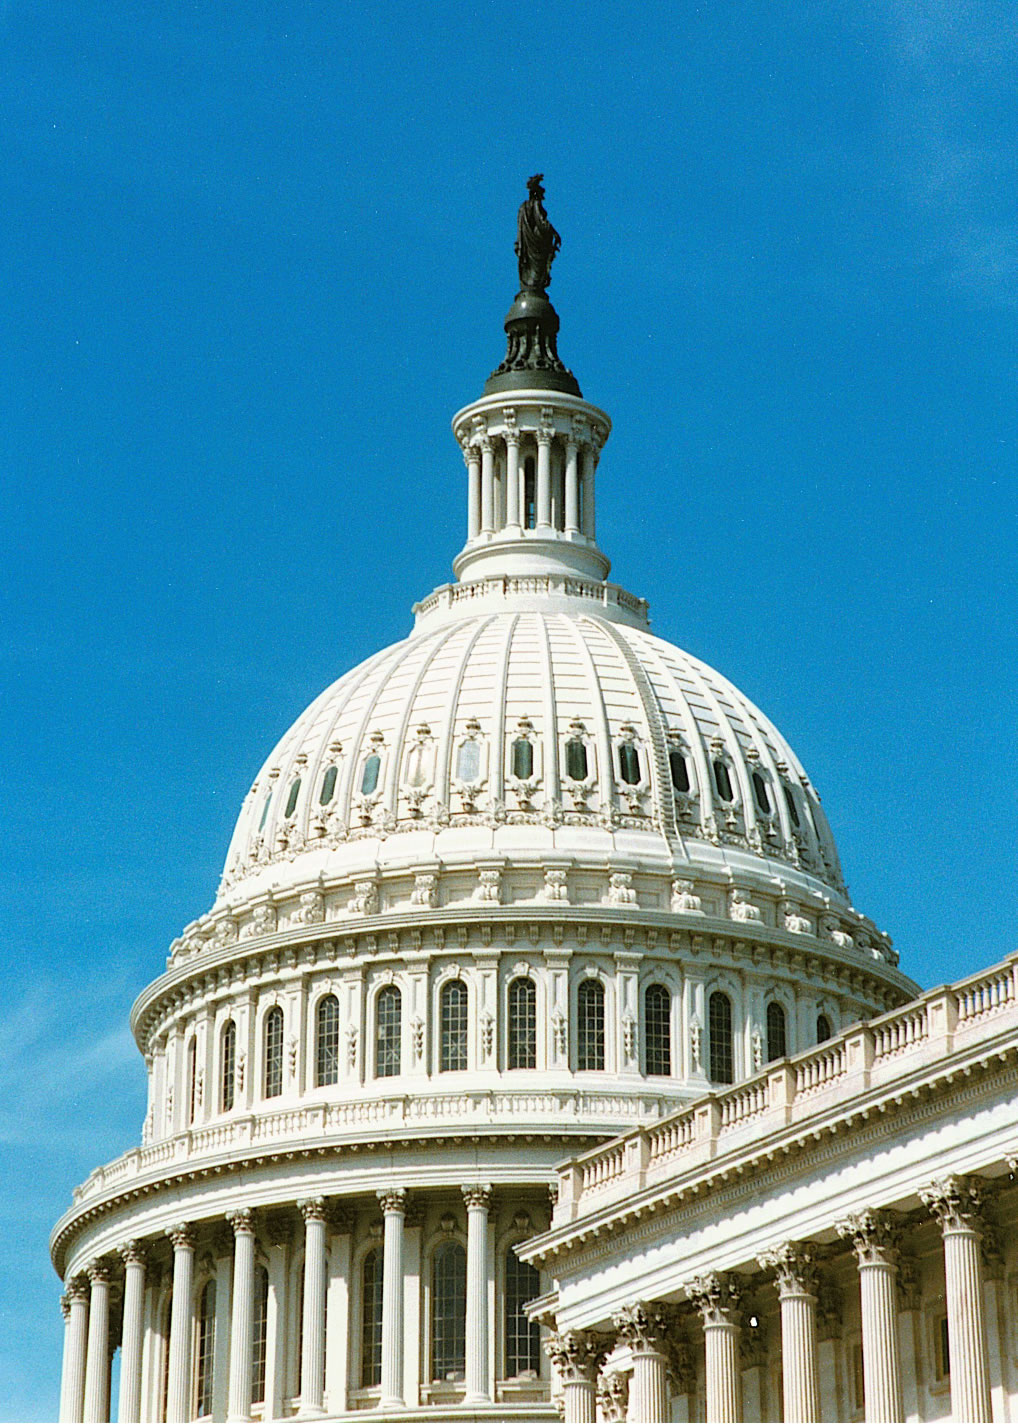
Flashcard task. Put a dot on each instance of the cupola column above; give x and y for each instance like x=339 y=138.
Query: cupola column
x=312 y=1363
x=132 y=1340
x=393 y=1204
x=572 y=486
x=587 y=513
x=716 y=1299
x=72 y=1396
x=796 y=1279
x=472 y=457
x=874 y=1240
x=178 y=1393
x=512 y=474
x=242 y=1315
x=97 y=1368
x=955 y=1202
x=487 y=485
x=545 y=433
x=478 y=1200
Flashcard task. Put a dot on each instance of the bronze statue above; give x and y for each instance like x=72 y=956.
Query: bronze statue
x=536 y=240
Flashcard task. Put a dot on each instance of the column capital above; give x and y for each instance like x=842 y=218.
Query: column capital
x=794 y=1269
x=643 y=1327
x=181 y=1237
x=546 y=430
x=613 y=1396
x=313 y=1208
x=579 y=1354
x=716 y=1299
x=133 y=1252
x=875 y=1237
x=65 y=1306
x=486 y=443
x=241 y=1221
x=77 y=1287
x=393 y=1202
x=512 y=430
x=955 y=1203
x=98 y=1272
x=477 y=1197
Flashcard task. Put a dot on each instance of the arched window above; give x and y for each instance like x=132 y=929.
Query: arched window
x=722 y=1060
x=260 y=1334
x=777 y=1040
x=369 y=775
x=328 y=785
x=522 y=1337
x=522 y=1025
x=529 y=494
x=205 y=1350
x=761 y=793
x=823 y=1028
x=629 y=763
x=590 y=1026
x=227 y=1065
x=291 y=802
x=576 y=759
x=449 y=1312
x=657 y=1031
x=192 y=1078
x=327 y=1042
x=388 y=1013
x=453 y=1028
x=523 y=758
x=723 y=781
x=680 y=770
x=274 y=1053
x=371 y=1319
x=468 y=761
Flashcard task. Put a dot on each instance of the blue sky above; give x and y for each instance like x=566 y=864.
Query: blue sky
x=253 y=259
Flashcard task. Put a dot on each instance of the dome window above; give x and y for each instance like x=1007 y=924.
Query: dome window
x=192 y=1078
x=522 y=1025
x=291 y=802
x=723 y=781
x=679 y=770
x=761 y=793
x=629 y=763
x=576 y=760
x=274 y=1053
x=468 y=761
x=388 y=1013
x=371 y=1320
x=590 y=1026
x=777 y=1037
x=449 y=1313
x=722 y=1046
x=793 y=811
x=657 y=1031
x=265 y=810
x=328 y=785
x=327 y=1038
x=228 y=1066
x=260 y=1336
x=522 y=1335
x=453 y=1017
x=369 y=775
x=523 y=758
x=204 y=1349
x=823 y=1028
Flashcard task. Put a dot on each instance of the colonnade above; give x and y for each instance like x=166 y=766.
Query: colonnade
x=648 y=1330
x=85 y=1387
x=486 y=514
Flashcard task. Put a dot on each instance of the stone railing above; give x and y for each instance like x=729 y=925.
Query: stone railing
x=603 y=593
x=842 y=1073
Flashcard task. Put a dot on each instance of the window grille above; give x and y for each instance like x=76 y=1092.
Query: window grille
x=657 y=1031
x=590 y=1026
x=327 y=1042
x=629 y=763
x=192 y=1078
x=680 y=770
x=260 y=1335
x=328 y=785
x=453 y=1040
x=205 y=1351
x=228 y=1065
x=522 y=1025
x=777 y=1040
x=274 y=1053
x=823 y=1028
x=522 y=1338
x=291 y=802
x=388 y=1011
x=576 y=759
x=722 y=1062
x=449 y=1313
x=371 y=1319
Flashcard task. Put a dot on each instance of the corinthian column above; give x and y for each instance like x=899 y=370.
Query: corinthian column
x=312 y=1363
x=716 y=1300
x=955 y=1203
x=643 y=1328
x=178 y=1393
x=577 y=1357
x=545 y=433
x=472 y=457
x=72 y=1394
x=478 y=1200
x=393 y=1204
x=242 y=1315
x=97 y=1368
x=129 y=1402
x=512 y=471
x=796 y=1280
x=875 y=1241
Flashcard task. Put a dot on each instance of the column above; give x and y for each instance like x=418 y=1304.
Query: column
x=487 y=485
x=312 y=1363
x=97 y=1365
x=589 y=467
x=72 y=1389
x=643 y=1328
x=512 y=476
x=338 y=1327
x=716 y=1300
x=955 y=1204
x=875 y=1241
x=472 y=457
x=242 y=1315
x=545 y=432
x=178 y=1397
x=393 y=1203
x=577 y=1356
x=132 y=1341
x=572 y=486
x=478 y=1200
x=796 y=1280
